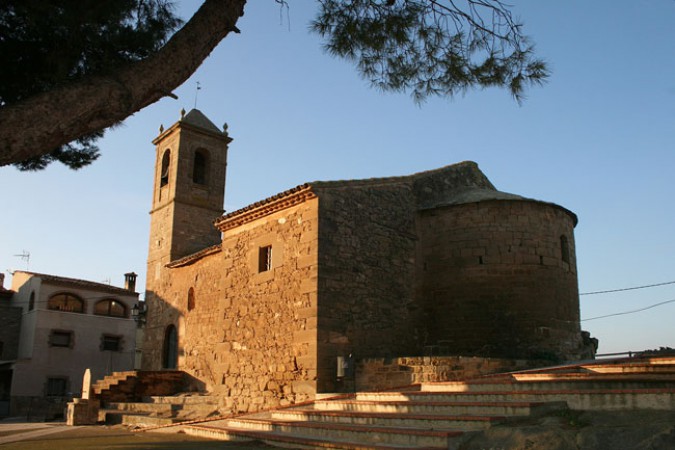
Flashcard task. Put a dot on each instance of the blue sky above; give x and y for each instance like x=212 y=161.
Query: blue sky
x=598 y=138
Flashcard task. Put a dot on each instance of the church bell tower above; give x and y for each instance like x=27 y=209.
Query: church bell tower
x=189 y=189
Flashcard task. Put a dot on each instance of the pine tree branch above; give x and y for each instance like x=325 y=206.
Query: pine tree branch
x=41 y=123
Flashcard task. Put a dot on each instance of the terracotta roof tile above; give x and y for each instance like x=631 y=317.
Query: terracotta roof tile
x=79 y=283
x=189 y=259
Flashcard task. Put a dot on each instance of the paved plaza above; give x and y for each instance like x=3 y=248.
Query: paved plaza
x=16 y=434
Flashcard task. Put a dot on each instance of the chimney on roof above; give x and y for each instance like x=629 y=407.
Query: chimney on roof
x=130 y=281
x=2 y=280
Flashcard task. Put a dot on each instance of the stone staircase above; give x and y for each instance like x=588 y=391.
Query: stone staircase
x=443 y=414
x=149 y=398
x=159 y=410
x=135 y=384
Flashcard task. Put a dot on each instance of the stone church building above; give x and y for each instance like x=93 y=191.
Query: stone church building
x=258 y=304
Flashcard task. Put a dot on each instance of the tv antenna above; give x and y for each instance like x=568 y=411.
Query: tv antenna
x=25 y=255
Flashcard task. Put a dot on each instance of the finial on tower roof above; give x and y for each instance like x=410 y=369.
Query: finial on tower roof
x=161 y=128
x=182 y=113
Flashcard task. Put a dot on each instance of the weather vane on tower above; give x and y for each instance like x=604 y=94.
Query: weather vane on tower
x=197 y=93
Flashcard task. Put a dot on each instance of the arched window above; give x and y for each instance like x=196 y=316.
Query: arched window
x=66 y=302
x=170 y=353
x=200 y=167
x=110 y=307
x=191 y=299
x=164 y=177
x=564 y=249
x=31 y=301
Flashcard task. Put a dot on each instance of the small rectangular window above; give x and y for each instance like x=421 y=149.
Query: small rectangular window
x=111 y=343
x=265 y=259
x=59 y=338
x=56 y=387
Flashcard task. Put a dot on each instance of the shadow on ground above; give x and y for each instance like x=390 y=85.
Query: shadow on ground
x=102 y=437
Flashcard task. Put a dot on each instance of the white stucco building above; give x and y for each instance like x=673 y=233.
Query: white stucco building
x=67 y=326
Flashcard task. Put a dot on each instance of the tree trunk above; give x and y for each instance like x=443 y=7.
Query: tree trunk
x=42 y=123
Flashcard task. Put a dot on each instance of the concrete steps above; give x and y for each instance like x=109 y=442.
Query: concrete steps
x=149 y=398
x=351 y=432
x=134 y=385
x=555 y=382
x=159 y=410
x=630 y=368
x=348 y=423
x=111 y=381
x=137 y=414
x=440 y=408
x=137 y=419
x=142 y=408
x=442 y=415
x=420 y=421
x=588 y=400
x=352 y=423
x=322 y=435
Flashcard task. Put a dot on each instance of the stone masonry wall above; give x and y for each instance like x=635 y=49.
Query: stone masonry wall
x=182 y=210
x=250 y=337
x=193 y=229
x=366 y=274
x=373 y=374
x=495 y=282
x=199 y=203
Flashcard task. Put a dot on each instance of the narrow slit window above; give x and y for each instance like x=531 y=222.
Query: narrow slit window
x=199 y=169
x=564 y=249
x=265 y=259
x=164 y=176
x=191 y=299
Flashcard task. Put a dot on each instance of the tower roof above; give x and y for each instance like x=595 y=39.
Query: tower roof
x=197 y=118
x=197 y=121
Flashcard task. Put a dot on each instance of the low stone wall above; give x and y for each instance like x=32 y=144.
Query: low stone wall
x=374 y=374
x=127 y=387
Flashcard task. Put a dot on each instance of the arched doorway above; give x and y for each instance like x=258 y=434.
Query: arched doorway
x=170 y=354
